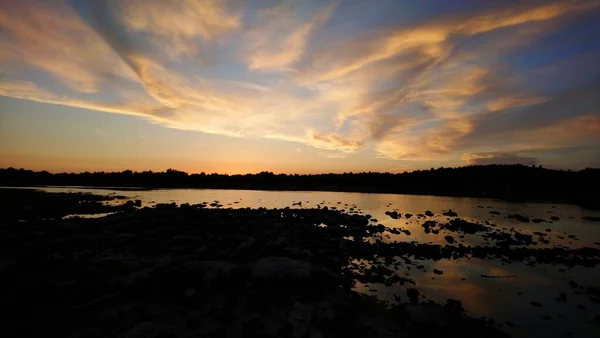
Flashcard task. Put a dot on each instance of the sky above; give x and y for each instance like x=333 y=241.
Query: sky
x=305 y=86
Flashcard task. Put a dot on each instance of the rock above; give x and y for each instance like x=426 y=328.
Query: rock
x=461 y=225
x=450 y=213
x=494 y=212
x=393 y=214
x=299 y=318
x=381 y=270
x=523 y=238
x=449 y=239
x=536 y=304
x=216 y=269
x=314 y=333
x=408 y=216
x=190 y=292
x=562 y=297
x=413 y=295
x=429 y=213
x=519 y=218
x=137 y=203
x=555 y=218
x=280 y=267
x=246 y=244
x=453 y=307
x=438 y=272
x=539 y=220
x=143 y=330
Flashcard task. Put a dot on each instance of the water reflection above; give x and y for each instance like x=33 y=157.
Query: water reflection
x=508 y=300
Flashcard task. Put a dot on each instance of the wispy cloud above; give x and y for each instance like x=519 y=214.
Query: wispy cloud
x=280 y=40
x=498 y=158
x=422 y=91
x=176 y=26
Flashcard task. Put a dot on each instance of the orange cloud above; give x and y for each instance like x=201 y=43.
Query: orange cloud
x=280 y=42
x=334 y=141
x=61 y=45
x=176 y=25
x=409 y=91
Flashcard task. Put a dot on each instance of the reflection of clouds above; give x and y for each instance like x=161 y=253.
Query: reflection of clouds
x=433 y=90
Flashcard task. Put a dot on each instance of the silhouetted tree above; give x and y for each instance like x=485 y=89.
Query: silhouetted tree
x=500 y=181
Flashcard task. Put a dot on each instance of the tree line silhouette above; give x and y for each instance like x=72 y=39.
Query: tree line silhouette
x=511 y=182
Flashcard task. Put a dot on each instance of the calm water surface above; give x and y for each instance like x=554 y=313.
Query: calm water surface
x=501 y=299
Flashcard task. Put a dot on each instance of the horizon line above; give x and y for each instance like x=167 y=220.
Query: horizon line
x=304 y=174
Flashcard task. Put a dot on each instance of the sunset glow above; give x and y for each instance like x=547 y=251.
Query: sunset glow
x=298 y=86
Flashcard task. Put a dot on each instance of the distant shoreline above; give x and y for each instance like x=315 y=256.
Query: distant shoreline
x=512 y=183
x=124 y=188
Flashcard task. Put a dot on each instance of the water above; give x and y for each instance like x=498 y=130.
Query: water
x=506 y=299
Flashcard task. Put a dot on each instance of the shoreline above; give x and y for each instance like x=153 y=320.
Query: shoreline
x=512 y=183
x=267 y=272
x=584 y=205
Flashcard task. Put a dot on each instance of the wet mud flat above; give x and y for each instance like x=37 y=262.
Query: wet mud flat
x=191 y=270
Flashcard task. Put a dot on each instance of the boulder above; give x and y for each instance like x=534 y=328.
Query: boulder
x=450 y=213
x=280 y=267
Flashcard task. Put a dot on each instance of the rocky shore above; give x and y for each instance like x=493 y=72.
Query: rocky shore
x=197 y=271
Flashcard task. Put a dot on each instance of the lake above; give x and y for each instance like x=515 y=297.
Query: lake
x=502 y=299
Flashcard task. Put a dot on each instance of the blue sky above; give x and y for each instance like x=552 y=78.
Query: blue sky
x=298 y=86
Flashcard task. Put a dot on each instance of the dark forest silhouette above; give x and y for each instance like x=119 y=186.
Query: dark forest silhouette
x=511 y=182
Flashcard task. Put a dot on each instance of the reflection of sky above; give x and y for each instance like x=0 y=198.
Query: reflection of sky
x=311 y=86
x=493 y=298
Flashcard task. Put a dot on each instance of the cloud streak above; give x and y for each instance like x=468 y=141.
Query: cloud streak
x=423 y=91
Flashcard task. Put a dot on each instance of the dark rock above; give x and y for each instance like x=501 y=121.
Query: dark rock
x=280 y=267
x=554 y=218
x=438 y=272
x=381 y=270
x=449 y=239
x=453 y=307
x=536 y=304
x=562 y=297
x=519 y=218
x=461 y=225
x=413 y=295
x=429 y=213
x=450 y=213
x=393 y=214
